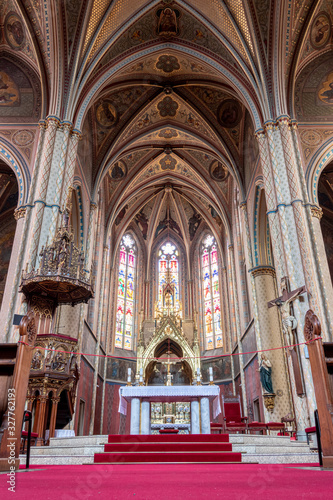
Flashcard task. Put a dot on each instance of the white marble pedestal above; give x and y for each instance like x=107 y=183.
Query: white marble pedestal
x=140 y=398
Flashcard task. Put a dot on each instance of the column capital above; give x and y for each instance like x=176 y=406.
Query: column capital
x=93 y=206
x=262 y=270
x=20 y=212
x=316 y=212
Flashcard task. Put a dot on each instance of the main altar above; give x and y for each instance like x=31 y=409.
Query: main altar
x=167 y=391
x=141 y=399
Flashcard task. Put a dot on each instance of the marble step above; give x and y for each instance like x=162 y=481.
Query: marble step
x=289 y=458
x=58 y=459
x=271 y=449
x=79 y=440
x=257 y=438
x=65 y=450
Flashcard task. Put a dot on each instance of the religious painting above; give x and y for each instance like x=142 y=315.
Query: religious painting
x=229 y=113
x=221 y=369
x=117 y=369
x=9 y=92
x=218 y=171
x=106 y=114
x=320 y=30
x=168 y=22
x=6 y=243
x=325 y=93
x=14 y=31
x=193 y=224
x=117 y=171
x=142 y=223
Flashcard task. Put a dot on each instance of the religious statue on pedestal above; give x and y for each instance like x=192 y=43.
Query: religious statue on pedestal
x=265 y=371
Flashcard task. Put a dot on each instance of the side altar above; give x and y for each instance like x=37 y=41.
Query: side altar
x=141 y=397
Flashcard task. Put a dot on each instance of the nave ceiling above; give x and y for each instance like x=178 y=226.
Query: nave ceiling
x=167 y=94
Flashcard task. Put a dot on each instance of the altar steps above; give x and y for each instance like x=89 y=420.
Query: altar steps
x=196 y=448
x=254 y=448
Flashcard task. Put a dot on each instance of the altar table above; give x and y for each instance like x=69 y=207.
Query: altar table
x=140 y=398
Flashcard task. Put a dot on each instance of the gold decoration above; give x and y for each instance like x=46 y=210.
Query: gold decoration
x=269 y=402
x=20 y=213
x=316 y=212
x=61 y=275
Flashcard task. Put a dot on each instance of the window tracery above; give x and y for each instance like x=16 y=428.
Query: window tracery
x=126 y=293
x=168 y=273
x=211 y=293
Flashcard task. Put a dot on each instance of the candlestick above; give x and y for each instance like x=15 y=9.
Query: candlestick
x=211 y=375
x=129 y=376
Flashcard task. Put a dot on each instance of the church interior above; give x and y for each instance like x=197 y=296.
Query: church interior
x=166 y=219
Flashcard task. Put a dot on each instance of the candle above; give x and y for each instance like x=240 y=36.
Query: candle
x=129 y=375
x=210 y=374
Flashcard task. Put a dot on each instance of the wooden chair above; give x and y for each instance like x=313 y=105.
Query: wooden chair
x=232 y=416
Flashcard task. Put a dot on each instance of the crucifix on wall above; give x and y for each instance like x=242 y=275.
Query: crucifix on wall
x=289 y=325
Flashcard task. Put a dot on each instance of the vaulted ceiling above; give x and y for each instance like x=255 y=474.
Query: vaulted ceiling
x=167 y=95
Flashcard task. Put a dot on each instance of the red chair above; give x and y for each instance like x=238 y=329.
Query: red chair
x=276 y=426
x=232 y=416
x=216 y=428
x=257 y=426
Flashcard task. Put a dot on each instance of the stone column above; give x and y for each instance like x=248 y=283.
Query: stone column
x=66 y=128
x=195 y=417
x=320 y=253
x=145 y=417
x=205 y=415
x=98 y=339
x=70 y=167
x=53 y=417
x=253 y=288
x=109 y=334
x=135 y=416
x=299 y=201
x=42 y=185
x=285 y=202
x=264 y=281
x=237 y=321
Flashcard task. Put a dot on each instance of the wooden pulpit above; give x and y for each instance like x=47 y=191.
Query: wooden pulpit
x=321 y=367
x=15 y=361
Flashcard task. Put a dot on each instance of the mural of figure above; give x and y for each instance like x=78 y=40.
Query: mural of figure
x=193 y=224
x=265 y=371
x=167 y=22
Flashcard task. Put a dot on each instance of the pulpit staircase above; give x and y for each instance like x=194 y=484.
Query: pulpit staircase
x=184 y=448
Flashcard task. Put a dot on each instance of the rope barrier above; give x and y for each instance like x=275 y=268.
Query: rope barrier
x=183 y=358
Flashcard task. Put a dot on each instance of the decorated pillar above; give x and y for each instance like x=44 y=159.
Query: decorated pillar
x=98 y=339
x=253 y=287
x=42 y=186
x=237 y=323
x=53 y=417
x=66 y=129
x=299 y=201
x=41 y=416
x=285 y=202
x=70 y=166
x=264 y=282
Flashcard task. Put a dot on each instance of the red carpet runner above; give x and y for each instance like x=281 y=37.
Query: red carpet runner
x=184 y=448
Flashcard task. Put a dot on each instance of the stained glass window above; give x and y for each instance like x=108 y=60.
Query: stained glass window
x=126 y=293
x=211 y=294
x=168 y=272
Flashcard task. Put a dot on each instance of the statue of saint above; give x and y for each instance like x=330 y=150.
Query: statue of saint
x=265 y=371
